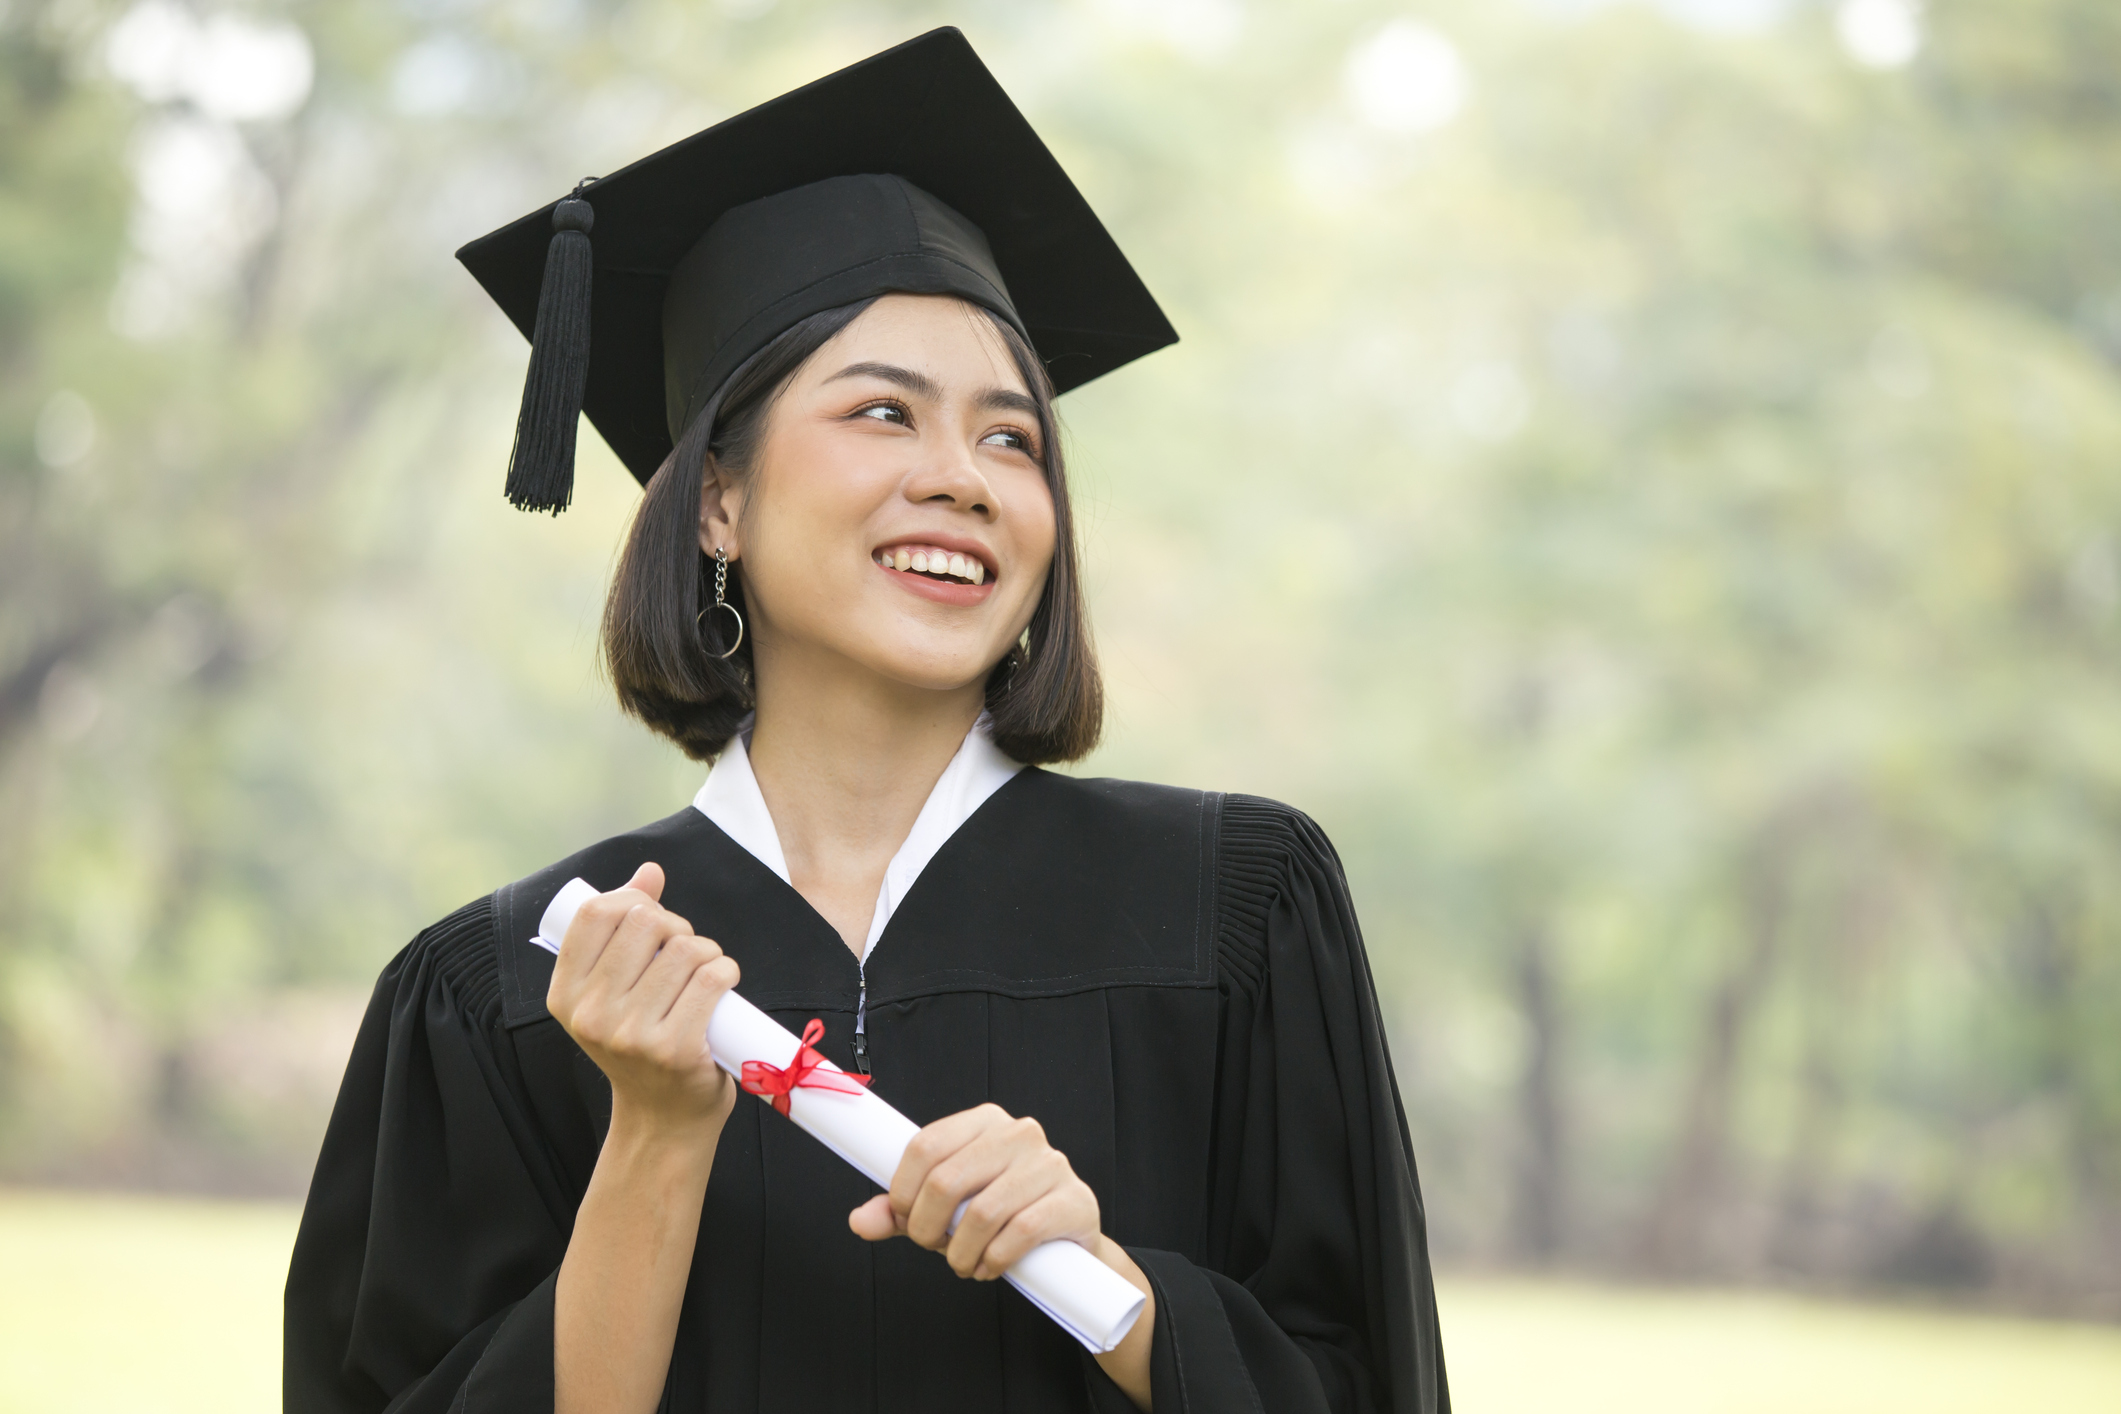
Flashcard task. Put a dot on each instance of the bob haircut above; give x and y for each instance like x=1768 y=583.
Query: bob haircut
x=1045 y=697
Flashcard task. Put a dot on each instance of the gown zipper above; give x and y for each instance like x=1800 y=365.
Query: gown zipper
x=861 y=1019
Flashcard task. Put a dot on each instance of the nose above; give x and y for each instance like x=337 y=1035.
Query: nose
x=951 y=476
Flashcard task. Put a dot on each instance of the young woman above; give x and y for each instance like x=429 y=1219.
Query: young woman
x=1132 y=1017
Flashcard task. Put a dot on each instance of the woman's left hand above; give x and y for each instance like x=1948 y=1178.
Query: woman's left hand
x=1022 y=1190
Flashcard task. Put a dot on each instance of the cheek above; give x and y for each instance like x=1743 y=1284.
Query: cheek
x=1037 y=533
x=811 y=505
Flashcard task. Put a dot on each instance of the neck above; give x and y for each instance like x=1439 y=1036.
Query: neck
x=845 y=759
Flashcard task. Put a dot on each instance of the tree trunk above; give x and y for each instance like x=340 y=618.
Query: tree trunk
x=1670 y=1239
x=1800 y=1208
x=1539 y=1227
x=2054 y=970
x=1835 y=963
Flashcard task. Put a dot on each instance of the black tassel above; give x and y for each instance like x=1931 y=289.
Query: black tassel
x=541 y=468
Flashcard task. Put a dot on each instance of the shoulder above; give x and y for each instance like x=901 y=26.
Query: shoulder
x=476 y=953
x=1268 y=856
x=607 y=864
x=1102 y=808
x=1108 y=794
x=1261 y=834
x=454 y=955
x=1247 y=834
x=1244 y=831
x=1252 y=854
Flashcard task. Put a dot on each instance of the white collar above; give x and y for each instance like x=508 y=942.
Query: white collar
x=731 y=799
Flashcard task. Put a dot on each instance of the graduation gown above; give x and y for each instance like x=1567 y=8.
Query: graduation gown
x=1172 y=983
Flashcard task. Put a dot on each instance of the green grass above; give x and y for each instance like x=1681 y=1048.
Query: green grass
x=121 y=1305
x=1518 y=1346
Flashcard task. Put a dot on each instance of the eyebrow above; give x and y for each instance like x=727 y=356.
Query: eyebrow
x=922 y=386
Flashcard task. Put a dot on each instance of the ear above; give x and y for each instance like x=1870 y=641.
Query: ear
x=721 y=505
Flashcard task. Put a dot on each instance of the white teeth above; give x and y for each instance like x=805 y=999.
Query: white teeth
x=965 y=567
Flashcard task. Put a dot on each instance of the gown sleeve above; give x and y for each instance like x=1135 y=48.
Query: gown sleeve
x=1315 y=1293
x=423 y=1270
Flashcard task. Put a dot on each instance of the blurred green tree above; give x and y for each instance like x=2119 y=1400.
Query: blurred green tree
x=1652 y=492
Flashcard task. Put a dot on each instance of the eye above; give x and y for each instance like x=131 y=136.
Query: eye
x=1011 y=438
x=887 y=411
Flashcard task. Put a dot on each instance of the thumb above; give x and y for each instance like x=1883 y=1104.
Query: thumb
x=874 y=1221
x=649 y=880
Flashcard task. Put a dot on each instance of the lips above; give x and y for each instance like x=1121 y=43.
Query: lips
x=945 y=570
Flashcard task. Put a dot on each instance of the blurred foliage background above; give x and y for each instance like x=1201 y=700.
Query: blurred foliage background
x=1645 y=477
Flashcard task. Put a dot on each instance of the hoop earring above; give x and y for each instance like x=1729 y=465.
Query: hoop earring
x=721 y=584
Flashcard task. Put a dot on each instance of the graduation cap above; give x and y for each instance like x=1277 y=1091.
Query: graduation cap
x=909 y=172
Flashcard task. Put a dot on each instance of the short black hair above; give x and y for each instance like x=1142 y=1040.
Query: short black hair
x=1046 y=696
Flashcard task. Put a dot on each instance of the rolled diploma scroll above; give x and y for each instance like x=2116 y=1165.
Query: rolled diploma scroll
x=1091 y=1302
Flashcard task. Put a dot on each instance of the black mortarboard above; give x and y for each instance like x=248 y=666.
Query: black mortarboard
x=908 y=172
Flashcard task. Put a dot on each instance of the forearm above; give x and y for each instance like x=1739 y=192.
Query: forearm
x=1128 y=1363
x=615 y=1315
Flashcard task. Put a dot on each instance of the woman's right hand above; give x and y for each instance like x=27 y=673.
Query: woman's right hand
x=634 y=986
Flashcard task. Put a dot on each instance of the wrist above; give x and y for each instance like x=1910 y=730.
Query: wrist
x=1128 y=1363
x=1117 y=1258
x=647 y=1136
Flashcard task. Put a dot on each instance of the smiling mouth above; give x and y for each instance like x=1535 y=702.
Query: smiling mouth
x=933 y=562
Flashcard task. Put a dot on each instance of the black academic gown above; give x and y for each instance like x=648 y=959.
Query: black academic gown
x=1171 y=983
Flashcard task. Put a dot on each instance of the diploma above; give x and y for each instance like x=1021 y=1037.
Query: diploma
x=1088 y=1299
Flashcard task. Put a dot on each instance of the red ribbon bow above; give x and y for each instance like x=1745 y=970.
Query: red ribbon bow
x=775 y=1083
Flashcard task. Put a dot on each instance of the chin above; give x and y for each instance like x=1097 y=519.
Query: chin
x=931 y=667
